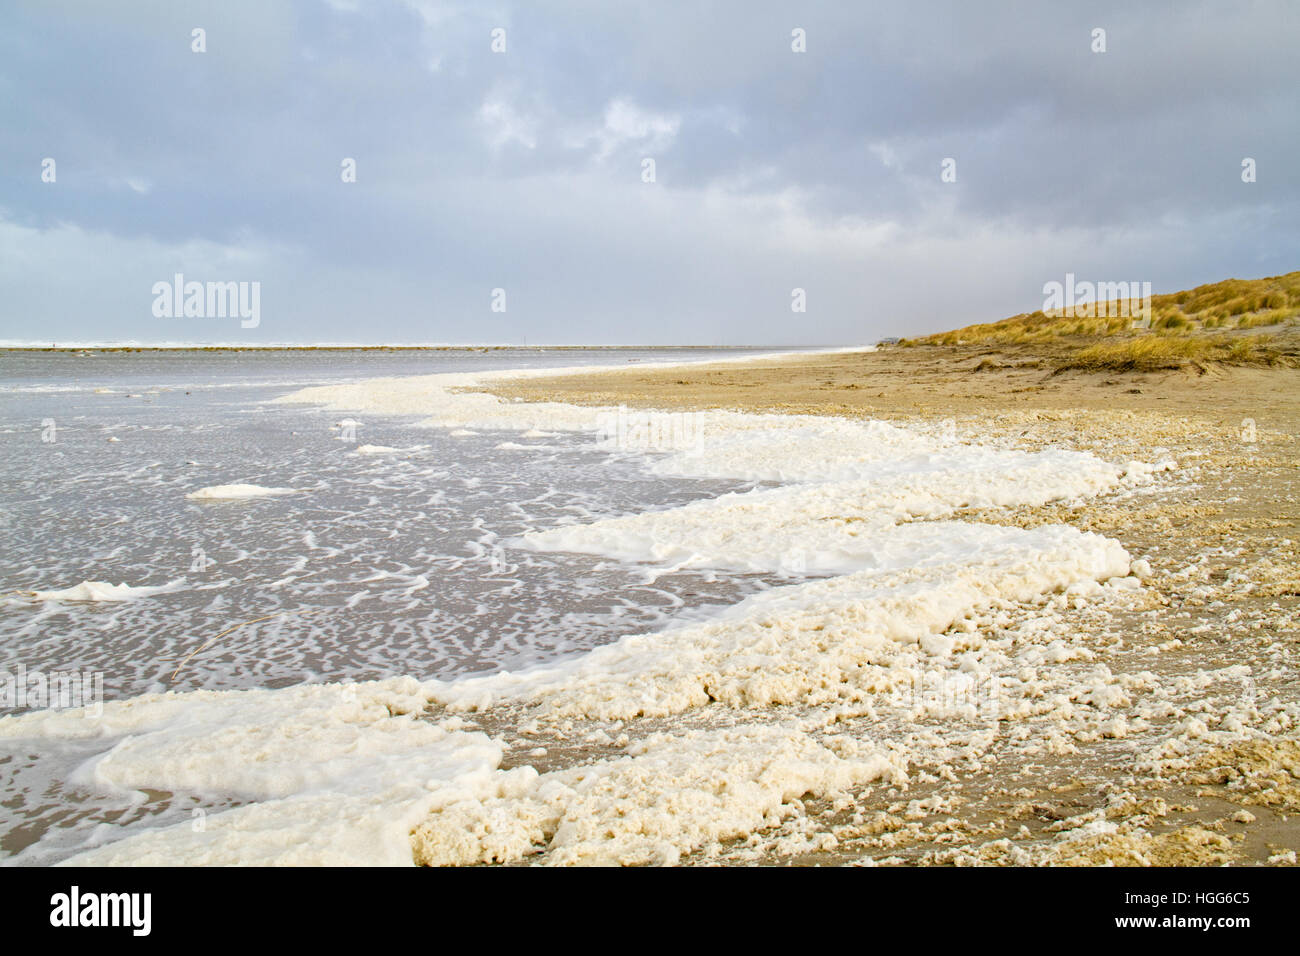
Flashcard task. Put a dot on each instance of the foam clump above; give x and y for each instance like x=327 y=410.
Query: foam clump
x=95 y=591
x=236 y=492
x=335 y=774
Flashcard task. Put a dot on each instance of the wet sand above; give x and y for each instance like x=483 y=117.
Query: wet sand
x=1206 y=649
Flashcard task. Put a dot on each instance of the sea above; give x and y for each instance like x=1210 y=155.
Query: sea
x=328 y=606
x=379 y=565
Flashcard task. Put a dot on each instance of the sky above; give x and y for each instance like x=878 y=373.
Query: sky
x=503 y=195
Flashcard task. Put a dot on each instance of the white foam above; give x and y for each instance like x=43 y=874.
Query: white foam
x=103 y=591
x=342 y=773
x=839 y=527
x=236 y=491
x=809 y=643
x=672 y=794
x=455 y=399
x=438 y=398
x=388 y=450
x=338 y=773
x=805 y=448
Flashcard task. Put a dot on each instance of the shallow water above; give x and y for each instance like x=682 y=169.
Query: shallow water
x=443 y=534
x=381 y=564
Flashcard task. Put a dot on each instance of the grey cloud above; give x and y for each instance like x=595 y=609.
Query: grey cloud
x=522 y=169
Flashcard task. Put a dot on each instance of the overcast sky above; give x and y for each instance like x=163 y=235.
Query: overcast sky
x=523 y=170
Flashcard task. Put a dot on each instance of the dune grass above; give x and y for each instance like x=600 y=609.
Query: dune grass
x=1149 y=353
x=1227 y=305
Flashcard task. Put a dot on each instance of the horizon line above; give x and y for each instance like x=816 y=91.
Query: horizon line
x=288 y=346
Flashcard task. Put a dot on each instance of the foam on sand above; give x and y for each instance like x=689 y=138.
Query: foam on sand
x=343 y=773
x=338 y=773
x=809 y=448
x=672 y=794
x=839 y=527
x=388 y=772
x=236 y=492
x=443 y=400
x=456 y=400
x=840 y=638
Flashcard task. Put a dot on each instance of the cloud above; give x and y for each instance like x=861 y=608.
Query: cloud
x=522 y=169
x=506 y=124
x=623 y=124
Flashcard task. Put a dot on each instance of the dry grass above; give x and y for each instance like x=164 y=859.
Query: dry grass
x=1148 y=353
x=1230 y=304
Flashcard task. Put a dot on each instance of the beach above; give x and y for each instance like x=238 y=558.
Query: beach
x=923 y=606
x=1148 y=785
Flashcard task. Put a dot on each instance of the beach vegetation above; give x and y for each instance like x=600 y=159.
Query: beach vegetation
x=1226 y=305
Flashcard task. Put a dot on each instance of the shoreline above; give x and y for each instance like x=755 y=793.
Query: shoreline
x=1223 y=594
x=1150 y=709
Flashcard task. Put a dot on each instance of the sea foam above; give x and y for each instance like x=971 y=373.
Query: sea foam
x=94 y=591
x=345 y=773
x=236 y=491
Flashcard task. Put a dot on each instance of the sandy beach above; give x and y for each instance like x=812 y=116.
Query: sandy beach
x=1118 y=763
x=922 y=605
